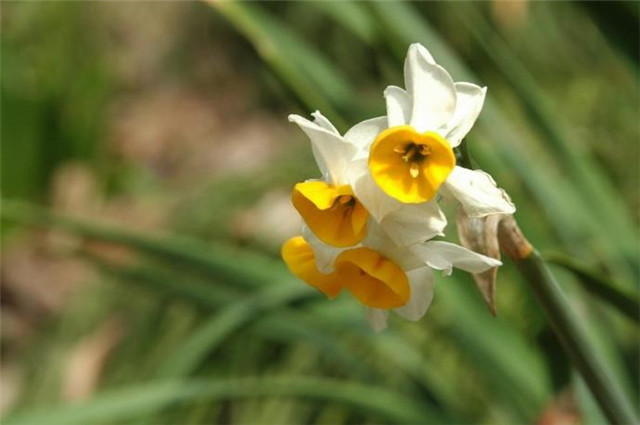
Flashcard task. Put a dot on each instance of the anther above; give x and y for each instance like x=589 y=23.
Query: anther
x=425 y=150
x=345 y=199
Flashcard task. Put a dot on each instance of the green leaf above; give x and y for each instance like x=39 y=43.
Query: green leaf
x=313 y=78
x=214 y=331
x=353 y=15
x=217 y=261
x=599 y=285
x=131 y=402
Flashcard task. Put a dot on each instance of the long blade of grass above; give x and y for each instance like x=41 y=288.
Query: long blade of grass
x=215 y=330
x=135 y=401
x=511 y=363
x=312 y=78
x=599 y=285
x=214 y=260
x=203 y=295
x=353 y=15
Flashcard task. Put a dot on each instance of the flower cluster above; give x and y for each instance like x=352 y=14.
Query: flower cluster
x=371 y=219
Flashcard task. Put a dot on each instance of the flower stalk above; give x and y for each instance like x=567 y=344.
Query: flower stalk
x=565 y=324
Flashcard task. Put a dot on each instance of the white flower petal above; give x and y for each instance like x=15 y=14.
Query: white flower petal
x=444 y=256
x=325 y=255
x=431 y=89
x=377 y=319
x=377 y=203
x=422 y=283
x=468 y=106
x=363 y=134
x=398 y=106
x=331 y=152
x=415 y=223
x=478 y=193
x=323 y=122
x=379 y=240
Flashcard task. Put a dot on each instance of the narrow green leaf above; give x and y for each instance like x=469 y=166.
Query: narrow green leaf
x=214 y=260
x=314 y=80
x=599 y=285
x=502 y=353
x=213 y=332
x=353 y=15
x=143 y=399
x=203 y=295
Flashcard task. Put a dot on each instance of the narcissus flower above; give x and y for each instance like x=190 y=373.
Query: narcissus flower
x=412 y=157
x=379 y=273
x=370 y=220
x=328 y=205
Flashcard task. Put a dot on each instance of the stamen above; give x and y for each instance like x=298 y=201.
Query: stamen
x=425 y=150
x=410 y=153
x=414 y=169
x=345 y=199
x=399 y=149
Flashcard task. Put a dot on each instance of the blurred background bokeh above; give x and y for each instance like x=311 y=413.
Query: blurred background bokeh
x=157 y=133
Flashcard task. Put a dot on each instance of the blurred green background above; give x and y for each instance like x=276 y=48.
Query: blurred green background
x=157 y=133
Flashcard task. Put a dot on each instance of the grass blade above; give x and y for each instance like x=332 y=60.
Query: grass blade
x=213 y=260
x=213 y=332
x=132 y=402
x=313 y=79
x=600 y=286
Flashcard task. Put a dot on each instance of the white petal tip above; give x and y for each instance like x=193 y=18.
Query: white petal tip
x=497 y=263
x=377 y=319
x=390 y=89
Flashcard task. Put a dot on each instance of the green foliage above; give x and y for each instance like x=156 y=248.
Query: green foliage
x=46 y=119
x=218 y=331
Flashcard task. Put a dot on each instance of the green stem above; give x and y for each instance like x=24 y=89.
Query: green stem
x=599 y=285
x=574 y=340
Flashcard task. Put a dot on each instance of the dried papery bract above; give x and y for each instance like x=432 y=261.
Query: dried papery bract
x=480 y=234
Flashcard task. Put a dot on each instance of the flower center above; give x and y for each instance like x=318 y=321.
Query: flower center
x=345 y=202
x=410 y=166
x=332 y=213
x=413 y=154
